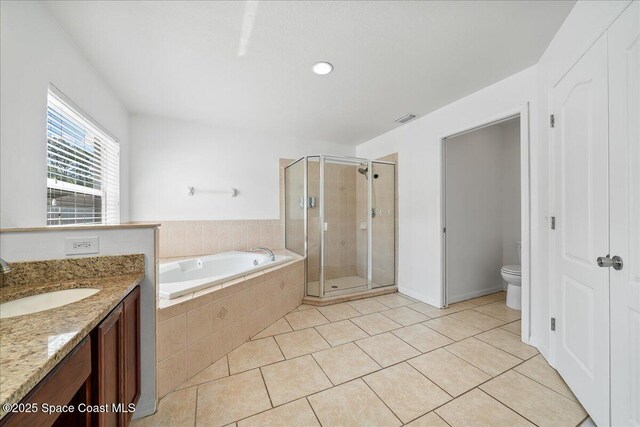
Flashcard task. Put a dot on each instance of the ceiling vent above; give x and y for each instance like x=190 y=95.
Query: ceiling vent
x=406 y=118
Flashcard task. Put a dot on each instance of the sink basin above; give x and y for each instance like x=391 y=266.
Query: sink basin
x=46 y=301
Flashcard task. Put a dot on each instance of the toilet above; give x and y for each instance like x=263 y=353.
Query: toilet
x=512 y=274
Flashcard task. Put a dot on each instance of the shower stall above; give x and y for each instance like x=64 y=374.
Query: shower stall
x=340 y=214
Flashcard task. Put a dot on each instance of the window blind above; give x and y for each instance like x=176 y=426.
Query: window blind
x=83 y=167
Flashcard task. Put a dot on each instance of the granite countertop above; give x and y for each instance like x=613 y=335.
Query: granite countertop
x=32 y=345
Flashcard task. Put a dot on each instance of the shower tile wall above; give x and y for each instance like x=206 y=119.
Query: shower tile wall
x=340 y=215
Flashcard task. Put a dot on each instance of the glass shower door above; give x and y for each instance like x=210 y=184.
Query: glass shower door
x=344 y=223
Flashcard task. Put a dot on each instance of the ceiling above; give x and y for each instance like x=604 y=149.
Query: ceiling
x=247 y=65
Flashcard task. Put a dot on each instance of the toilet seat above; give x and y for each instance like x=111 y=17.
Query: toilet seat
x=512 y=269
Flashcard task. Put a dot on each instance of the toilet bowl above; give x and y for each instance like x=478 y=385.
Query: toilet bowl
x=512 y=274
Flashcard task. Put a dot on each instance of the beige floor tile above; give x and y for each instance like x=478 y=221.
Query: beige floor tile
x=488 y=299
x=499 y=310
x=341 y=332
x=405 y=391
x=429 y=310
x=375 y=323
x=293 y=379
x=176 y=409
x=276 y=328
x=452 y=374
x=429 y=420
x=294 y=344
x=298 y=413
x=508 y=342
x=405 y=316
x=219 y=403
x=478 y=320
x=344 y=363
x=254 y=354
x=477 y=408
x=305 y=307
x=513 y=327
x=350 y=405
x=394 y=300
x=305 y=319
x=534 y=401
x=218 y=369
x=421 y=337
x=491 y=360
x=539 y=370
x=367 y=306
x=338 y=312
x=387 y=349
x=452 y=328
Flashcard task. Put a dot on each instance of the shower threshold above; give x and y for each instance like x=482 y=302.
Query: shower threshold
x=334 y=299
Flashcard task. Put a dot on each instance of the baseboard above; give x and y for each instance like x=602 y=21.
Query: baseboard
x=144 y=409
x=475 y=294
x=418 y=296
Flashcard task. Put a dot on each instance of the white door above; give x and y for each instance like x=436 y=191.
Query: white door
x=624 y=143
x=580 y=139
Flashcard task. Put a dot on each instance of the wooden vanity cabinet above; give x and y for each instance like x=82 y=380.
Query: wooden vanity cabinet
x=103 y=371
x=117 y=362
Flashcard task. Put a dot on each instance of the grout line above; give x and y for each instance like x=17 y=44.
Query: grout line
x=195 y=410
x=265 y=387
x=312 y=410
x=381 y=399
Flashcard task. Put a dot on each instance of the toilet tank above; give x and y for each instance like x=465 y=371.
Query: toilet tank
x=518 y=251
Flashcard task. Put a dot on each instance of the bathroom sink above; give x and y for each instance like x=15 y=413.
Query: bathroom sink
x=46 y=301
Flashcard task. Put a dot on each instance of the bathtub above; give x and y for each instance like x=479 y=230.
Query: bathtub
x=191 y=275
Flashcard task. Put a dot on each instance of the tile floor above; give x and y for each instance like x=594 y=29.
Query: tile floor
x=382 y=361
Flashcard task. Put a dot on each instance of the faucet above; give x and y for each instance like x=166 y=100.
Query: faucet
x=4 y=266
x=272 y=257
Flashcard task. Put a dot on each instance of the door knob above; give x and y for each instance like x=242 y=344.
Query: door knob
x=606 y=262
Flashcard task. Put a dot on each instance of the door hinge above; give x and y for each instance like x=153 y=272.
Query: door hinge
x=444 y=229
x=553 y=323
x=553 y=222
x=552 y=121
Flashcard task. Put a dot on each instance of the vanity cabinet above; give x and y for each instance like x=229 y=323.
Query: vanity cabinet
x=101 y=373
x=117 y=364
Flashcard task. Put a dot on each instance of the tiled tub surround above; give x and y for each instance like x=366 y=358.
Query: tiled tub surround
x=198 y=329
x=382 y=361
x=32 y=345
x=194 y=238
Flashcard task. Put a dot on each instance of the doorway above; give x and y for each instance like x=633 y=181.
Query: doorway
x=497 y=155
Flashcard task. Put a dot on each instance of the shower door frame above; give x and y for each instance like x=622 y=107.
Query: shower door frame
x=321 y=218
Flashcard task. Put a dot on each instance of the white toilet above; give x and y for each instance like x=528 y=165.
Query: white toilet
x=512 y=274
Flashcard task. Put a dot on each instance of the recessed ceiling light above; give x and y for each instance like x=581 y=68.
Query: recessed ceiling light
x=322 y=68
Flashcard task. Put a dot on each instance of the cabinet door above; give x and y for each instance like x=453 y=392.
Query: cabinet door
x=624 y=149
x=110 y=372
x=131 y=344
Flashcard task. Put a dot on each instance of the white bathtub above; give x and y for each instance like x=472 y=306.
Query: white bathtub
x=191 y=275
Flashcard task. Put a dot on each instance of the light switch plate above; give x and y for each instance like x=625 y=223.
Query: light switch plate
x=82 y=245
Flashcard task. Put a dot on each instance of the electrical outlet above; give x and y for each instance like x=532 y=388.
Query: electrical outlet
x=81 y=245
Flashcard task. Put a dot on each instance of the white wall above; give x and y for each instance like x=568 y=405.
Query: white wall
x=418 y=144
x=34 y=51
x=510 y=182
x=482 y=208
x=49 y=244
x=167 y=156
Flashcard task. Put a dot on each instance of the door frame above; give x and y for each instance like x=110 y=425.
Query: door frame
x=525 y=205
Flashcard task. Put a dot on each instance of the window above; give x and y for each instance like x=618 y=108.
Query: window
x=83 y=167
